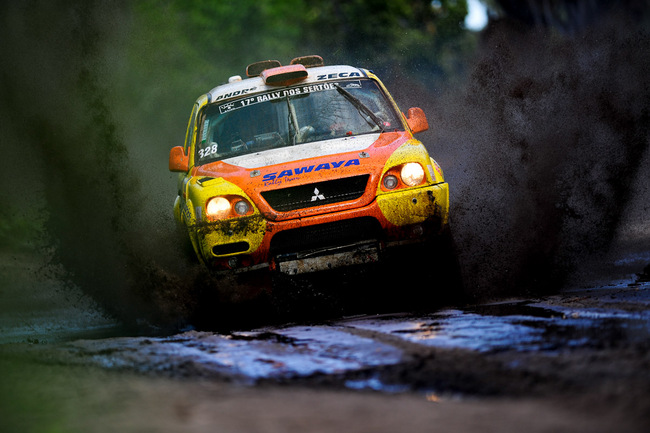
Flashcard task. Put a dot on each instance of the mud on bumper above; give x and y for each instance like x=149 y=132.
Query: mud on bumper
x=393 y=221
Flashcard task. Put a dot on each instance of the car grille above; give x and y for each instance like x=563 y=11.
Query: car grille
x=316 y=194
x=337 y=233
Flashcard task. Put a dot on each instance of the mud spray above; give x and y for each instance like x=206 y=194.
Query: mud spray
x=540 y=147
x=65 y=157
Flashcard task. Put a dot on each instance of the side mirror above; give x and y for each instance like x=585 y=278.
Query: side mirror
x=178 y=161
x=417 y=120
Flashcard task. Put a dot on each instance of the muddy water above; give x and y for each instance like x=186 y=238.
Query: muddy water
x=345 y=350
x=575 y=361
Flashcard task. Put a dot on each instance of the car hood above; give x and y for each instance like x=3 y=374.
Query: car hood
x=306 y=164
x=303 y=151
x=372 y=148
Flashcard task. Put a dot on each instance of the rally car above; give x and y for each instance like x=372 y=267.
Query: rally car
x=304 y=168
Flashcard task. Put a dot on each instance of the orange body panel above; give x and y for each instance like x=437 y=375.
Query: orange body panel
x=314 y=173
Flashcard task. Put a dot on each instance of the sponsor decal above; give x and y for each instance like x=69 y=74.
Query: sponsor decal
x=235 y=93
x=304 y=89
x=186 y=212
x=339 y=75
x=290 y=173
x=280 y=94
x=271 y=96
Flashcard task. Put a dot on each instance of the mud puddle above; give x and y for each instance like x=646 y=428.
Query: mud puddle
x=364 y=352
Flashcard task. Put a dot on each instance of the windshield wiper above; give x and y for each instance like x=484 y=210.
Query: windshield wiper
x=360 y=106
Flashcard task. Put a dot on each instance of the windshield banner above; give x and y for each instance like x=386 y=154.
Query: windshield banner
x=281 y=94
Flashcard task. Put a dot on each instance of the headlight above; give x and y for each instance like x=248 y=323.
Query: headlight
x=227 y=206
x=242 y=207
x=412 y=174
x=390 y=182
x=217 y=208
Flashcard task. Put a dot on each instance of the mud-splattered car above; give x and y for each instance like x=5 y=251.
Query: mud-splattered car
x=303 y=168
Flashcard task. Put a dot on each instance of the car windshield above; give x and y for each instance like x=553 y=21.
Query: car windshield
x=294 y=115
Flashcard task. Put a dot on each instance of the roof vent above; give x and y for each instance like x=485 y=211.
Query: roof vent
x=284 y=75
x=308 y=61
x=255 y=69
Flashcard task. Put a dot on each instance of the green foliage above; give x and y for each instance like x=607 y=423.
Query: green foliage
x=206 y=41
x=127 y=73
x=403 y=35
x=179 y=49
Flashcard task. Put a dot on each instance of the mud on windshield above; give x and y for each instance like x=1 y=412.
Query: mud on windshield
x=294 y=115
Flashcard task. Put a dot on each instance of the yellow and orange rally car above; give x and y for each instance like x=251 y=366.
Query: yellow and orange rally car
x=303 y=168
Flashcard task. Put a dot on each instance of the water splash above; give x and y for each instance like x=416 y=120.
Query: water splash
x=541 y=148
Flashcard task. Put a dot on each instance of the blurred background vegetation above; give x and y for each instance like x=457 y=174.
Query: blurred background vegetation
x=138 y=66
x=179 y=49
x=93 y=94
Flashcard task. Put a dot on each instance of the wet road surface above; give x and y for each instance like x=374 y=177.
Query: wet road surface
x=364 y=352
x=575 y=361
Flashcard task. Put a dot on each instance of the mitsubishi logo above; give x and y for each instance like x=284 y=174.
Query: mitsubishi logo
x=317 y=195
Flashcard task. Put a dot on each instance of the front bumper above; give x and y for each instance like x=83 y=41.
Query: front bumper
x=406 y=216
